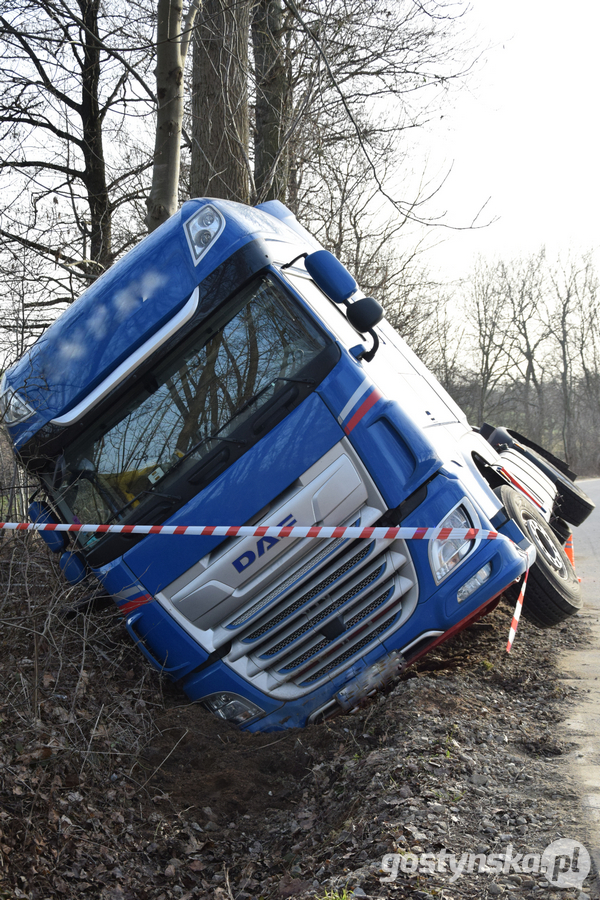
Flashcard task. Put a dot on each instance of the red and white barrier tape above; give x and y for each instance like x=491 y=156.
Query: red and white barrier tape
x=276 y=531
x=295 y=531
x=517 y=613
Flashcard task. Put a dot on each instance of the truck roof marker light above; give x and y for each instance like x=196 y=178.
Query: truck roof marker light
x=202 y=230
x=13 y=409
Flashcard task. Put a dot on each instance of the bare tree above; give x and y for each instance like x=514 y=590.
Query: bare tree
x=588 y=350
x=65 y=83
x=173 y=34
x=572 y=323
x=523 y=287
x=273 y=99
x=355 y=74
x=529 y=356
x=220 y=115
x=303 y=82
x=492 y=342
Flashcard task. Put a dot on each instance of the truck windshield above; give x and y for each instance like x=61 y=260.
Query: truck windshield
x=202 y=395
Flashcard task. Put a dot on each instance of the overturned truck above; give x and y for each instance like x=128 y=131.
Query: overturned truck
x=229 y=371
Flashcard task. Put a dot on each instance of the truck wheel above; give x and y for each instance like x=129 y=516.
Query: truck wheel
x=553 y=593
x=572 y=504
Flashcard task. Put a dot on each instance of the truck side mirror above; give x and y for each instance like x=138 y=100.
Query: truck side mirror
x=337 y=283
x=364 y=315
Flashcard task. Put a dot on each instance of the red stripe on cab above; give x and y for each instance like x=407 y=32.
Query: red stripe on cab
x=362 y=410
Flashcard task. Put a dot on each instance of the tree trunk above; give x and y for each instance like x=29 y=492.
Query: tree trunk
x=220 y=126
x=171 y=50
x=94 y=176
x=271 y=166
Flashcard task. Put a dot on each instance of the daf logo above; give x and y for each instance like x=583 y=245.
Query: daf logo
x=262 y=545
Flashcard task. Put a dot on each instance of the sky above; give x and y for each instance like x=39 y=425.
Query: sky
x=522 y=137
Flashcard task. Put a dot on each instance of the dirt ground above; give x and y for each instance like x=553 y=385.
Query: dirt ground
x=113 y=786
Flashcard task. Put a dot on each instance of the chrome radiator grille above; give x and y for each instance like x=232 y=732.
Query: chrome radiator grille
x=334 y=607
x=305 y=598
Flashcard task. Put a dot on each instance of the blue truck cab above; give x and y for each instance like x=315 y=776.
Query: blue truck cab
x=219 y=375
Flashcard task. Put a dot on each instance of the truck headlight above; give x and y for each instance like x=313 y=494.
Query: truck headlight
x=445 y=555
x=232 y=707
x=13 y=408
x=202 y=230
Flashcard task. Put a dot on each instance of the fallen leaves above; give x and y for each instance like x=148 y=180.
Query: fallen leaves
x=111 y=788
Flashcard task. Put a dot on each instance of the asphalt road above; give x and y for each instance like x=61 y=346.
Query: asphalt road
x=587 y=546
x=582 y=669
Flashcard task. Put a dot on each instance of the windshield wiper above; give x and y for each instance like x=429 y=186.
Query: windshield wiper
x=246 y=404
x=191 y=451
x=150 y=491
x=256 y=396
x=297 y=380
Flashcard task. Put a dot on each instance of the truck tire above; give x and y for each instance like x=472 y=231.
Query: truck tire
x=572 y=504
x=553 y=592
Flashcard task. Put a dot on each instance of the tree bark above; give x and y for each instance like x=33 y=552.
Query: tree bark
x=172 y=44
x=94 y=176
x=273 y=101
x=220 y=121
